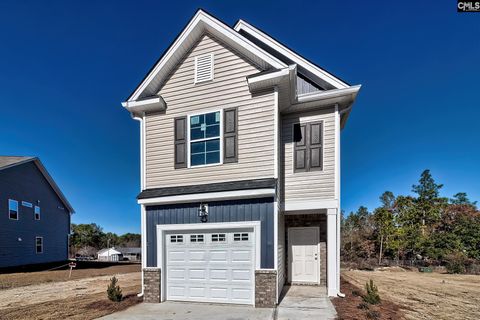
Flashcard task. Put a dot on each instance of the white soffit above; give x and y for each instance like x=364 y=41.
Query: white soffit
x=300 y=61
x=201 y=23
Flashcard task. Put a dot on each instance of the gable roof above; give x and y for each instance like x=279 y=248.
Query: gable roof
x=12 y=161
x=200 y=23
x=307 y=68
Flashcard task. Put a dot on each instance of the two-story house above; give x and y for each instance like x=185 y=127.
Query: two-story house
x=35 y=215
x=240 y=167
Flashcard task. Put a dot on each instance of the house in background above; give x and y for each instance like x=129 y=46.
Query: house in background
x=35 y=215
x=240 y=167
x=109 y=254
x=131 y=253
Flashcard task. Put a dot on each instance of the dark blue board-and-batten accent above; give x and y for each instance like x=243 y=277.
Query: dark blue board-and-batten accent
x=218 y=211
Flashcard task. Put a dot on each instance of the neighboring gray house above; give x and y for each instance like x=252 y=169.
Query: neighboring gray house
x=131 y=253
x=240 y=167
x=35 y=215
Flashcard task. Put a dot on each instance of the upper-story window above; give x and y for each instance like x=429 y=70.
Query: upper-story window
x=39 y=244
x=13 y=209
x=204 y=68
x=308 y=146
x=37 y=213
x=205 y=139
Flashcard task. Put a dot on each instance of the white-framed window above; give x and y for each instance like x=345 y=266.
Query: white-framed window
x=176 y=238
x=240 y=237
x=12 y=209
x=39 y=244
x=196 y=238
x=219 y=237
x=204 y=68
x=36 y=212
x=204 y=139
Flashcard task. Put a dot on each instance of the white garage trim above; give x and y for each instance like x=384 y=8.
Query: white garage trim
x=163 y=229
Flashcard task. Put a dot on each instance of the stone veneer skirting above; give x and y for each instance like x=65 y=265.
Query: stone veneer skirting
x=265 y=288
x=151 y=282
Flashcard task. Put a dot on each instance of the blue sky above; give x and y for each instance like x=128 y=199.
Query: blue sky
x=65 y=67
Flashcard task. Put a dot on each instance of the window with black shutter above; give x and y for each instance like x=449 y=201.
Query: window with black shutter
x=308 y=146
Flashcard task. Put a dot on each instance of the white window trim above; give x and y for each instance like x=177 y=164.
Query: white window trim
x=35 y=213
x=162 y=229
x=36 y=245
x=212 y=72
x=293 y=147
x=18 y=209
x=189 y=165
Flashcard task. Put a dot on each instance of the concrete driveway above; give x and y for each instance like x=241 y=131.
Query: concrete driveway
x=298 y=302
x=170 y=310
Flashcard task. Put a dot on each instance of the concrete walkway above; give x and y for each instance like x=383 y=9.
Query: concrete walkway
x=305 y=302
x=299 y=302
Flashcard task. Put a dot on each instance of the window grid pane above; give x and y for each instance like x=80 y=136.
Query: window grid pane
x=205 y=139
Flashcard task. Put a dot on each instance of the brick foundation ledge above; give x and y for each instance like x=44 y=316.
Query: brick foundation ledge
x=265 y=288
x=151 y=283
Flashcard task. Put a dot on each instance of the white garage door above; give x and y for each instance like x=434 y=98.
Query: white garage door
x=211 y=266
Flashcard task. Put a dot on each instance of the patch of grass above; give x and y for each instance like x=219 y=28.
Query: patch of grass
x=363 y=305
x=372 y=314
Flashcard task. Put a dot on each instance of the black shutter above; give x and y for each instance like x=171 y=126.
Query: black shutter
x=180 y=137
x=315 y=145
x=230 y=135
x=308 y=146
x=300 y=147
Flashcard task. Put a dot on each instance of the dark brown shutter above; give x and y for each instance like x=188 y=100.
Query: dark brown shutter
x=300 y=147
x=315 y=145
x=180 y=137
x=230 y=136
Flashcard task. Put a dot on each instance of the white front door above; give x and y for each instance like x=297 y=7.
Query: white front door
x=208 y=266
x=303 y=254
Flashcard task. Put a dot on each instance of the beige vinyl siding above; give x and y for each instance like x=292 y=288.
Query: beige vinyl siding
x=312 y=185
x=228 y=89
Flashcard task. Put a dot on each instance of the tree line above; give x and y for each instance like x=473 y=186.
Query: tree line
x=87 y=239
x=422 y=227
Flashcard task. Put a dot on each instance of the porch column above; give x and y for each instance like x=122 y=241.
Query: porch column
x=333 y=270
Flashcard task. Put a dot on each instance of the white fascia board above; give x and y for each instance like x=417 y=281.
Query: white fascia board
x=322 y=74
x=215 y=25
x=298 y=205
x=209 y=196
x=329 y=94
x=271 y=79
x=146 y=105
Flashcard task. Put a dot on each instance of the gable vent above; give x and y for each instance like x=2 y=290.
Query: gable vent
x=204 y=68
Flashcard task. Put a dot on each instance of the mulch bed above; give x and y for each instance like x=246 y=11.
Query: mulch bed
x=352 y=307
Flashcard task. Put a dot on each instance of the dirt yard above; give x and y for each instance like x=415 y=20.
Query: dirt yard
x=51 y=297
x=20 y=279
x=425 y=295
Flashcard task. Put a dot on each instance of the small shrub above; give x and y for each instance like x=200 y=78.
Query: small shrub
x=356 y=293
x=372 y=314
x=456 y=262
x=114 y=292
x=372 y=295
x=363 y=305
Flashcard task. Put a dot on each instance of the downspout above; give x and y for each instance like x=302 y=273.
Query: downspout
x=142 y=184
x=337 y=188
